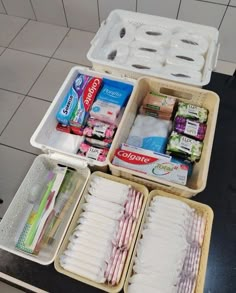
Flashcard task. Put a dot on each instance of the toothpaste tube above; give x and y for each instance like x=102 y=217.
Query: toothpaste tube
x=86 y=98
x=67 y=107
x=152 y=166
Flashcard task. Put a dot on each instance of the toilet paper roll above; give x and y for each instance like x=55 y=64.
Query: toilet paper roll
x=153 y=34
x=123 y=32
x=182 y=73
x=185 y=58
x=138 y=53
x=116 y=52
x=148 y=47
x=192 y=42
x=144 y=64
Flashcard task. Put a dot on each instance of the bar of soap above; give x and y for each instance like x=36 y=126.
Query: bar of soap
x=192 y=112
x=184 y=147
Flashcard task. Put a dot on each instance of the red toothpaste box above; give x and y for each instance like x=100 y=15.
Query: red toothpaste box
x=151 y=165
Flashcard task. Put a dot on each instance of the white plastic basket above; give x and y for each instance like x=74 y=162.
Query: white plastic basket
x=123 y=16
x=192 y=95
x=13 y=221
x=46 y=131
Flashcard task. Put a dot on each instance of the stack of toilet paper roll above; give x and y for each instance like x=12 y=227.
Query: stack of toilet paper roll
x=170 y=52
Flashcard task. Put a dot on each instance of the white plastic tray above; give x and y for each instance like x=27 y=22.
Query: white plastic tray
x=13 y=220
x=46 y=131
x=138 y=19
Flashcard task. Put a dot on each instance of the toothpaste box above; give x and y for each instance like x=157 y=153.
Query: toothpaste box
x=86 y=98
x=151 y=165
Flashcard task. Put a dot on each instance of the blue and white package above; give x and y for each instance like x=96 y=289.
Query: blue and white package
x=71 y=99
x=184 y=162
x=67 y=107
x=149 y=133
x=112 y=97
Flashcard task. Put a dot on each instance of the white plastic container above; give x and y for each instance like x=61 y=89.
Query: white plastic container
x=15 y=216
x=46 y=131
x=172 y=26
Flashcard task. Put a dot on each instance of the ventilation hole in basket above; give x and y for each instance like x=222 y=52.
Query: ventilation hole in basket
x=176 y=93
x=148 y=49
x=112 y=55
x=122 y=32
x=189 y=42
x=180 y=75
x=108 y=72
x=138 y=66
x=153 y=33
x=1 y=201
x=184 y=58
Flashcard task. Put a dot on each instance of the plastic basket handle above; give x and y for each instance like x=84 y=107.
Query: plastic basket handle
x=214 y=59
x=99 y=32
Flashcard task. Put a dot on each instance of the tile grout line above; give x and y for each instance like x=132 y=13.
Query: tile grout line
x=212 y=2
x=180 y=2
x=4 y=7
x=60 y=42
x=65 y=13
x=98 y=10
x=33 y=9
x=223 y=17
x=17 y=34
x=12 y=115
x=9 y=146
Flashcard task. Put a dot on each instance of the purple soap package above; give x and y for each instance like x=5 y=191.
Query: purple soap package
x=189 y=127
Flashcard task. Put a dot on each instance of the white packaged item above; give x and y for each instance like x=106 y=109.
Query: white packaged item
x=149 y=133
x=147 y=55
x=116 y=51
x=145 y=64
x=185 y=58
x=153 y=34
x=122 y=31
x=103 y=203
x=65 y=141
x=184 y=74
x=190 y=41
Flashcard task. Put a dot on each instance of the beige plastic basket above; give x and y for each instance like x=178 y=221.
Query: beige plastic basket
x=192 y=95
x=207 y=212
x=105 y=287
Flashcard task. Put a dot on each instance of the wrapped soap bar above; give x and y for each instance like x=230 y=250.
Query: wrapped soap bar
x=157 y=102
x=95 y=153
x=99 y=130
x=155 y=114
x=192 y=112
x=189 y=127
x=184 y=147
x=105 y=143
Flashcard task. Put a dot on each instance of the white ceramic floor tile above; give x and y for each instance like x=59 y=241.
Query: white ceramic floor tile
x=82 y=14
x=39 y=38
x=51 y=79
x=9 y=102
x=21 y=8
x=49 y=11
x=9 y=27
x=225 y=67
x=1 y=50
x=14 y=166
x=19 y=70
x=75 y=47
x=23 y=124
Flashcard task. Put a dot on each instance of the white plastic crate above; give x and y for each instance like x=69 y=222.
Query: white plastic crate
x=46 y=132
x=193 y=95
x=174 y=26
x=13 y=221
